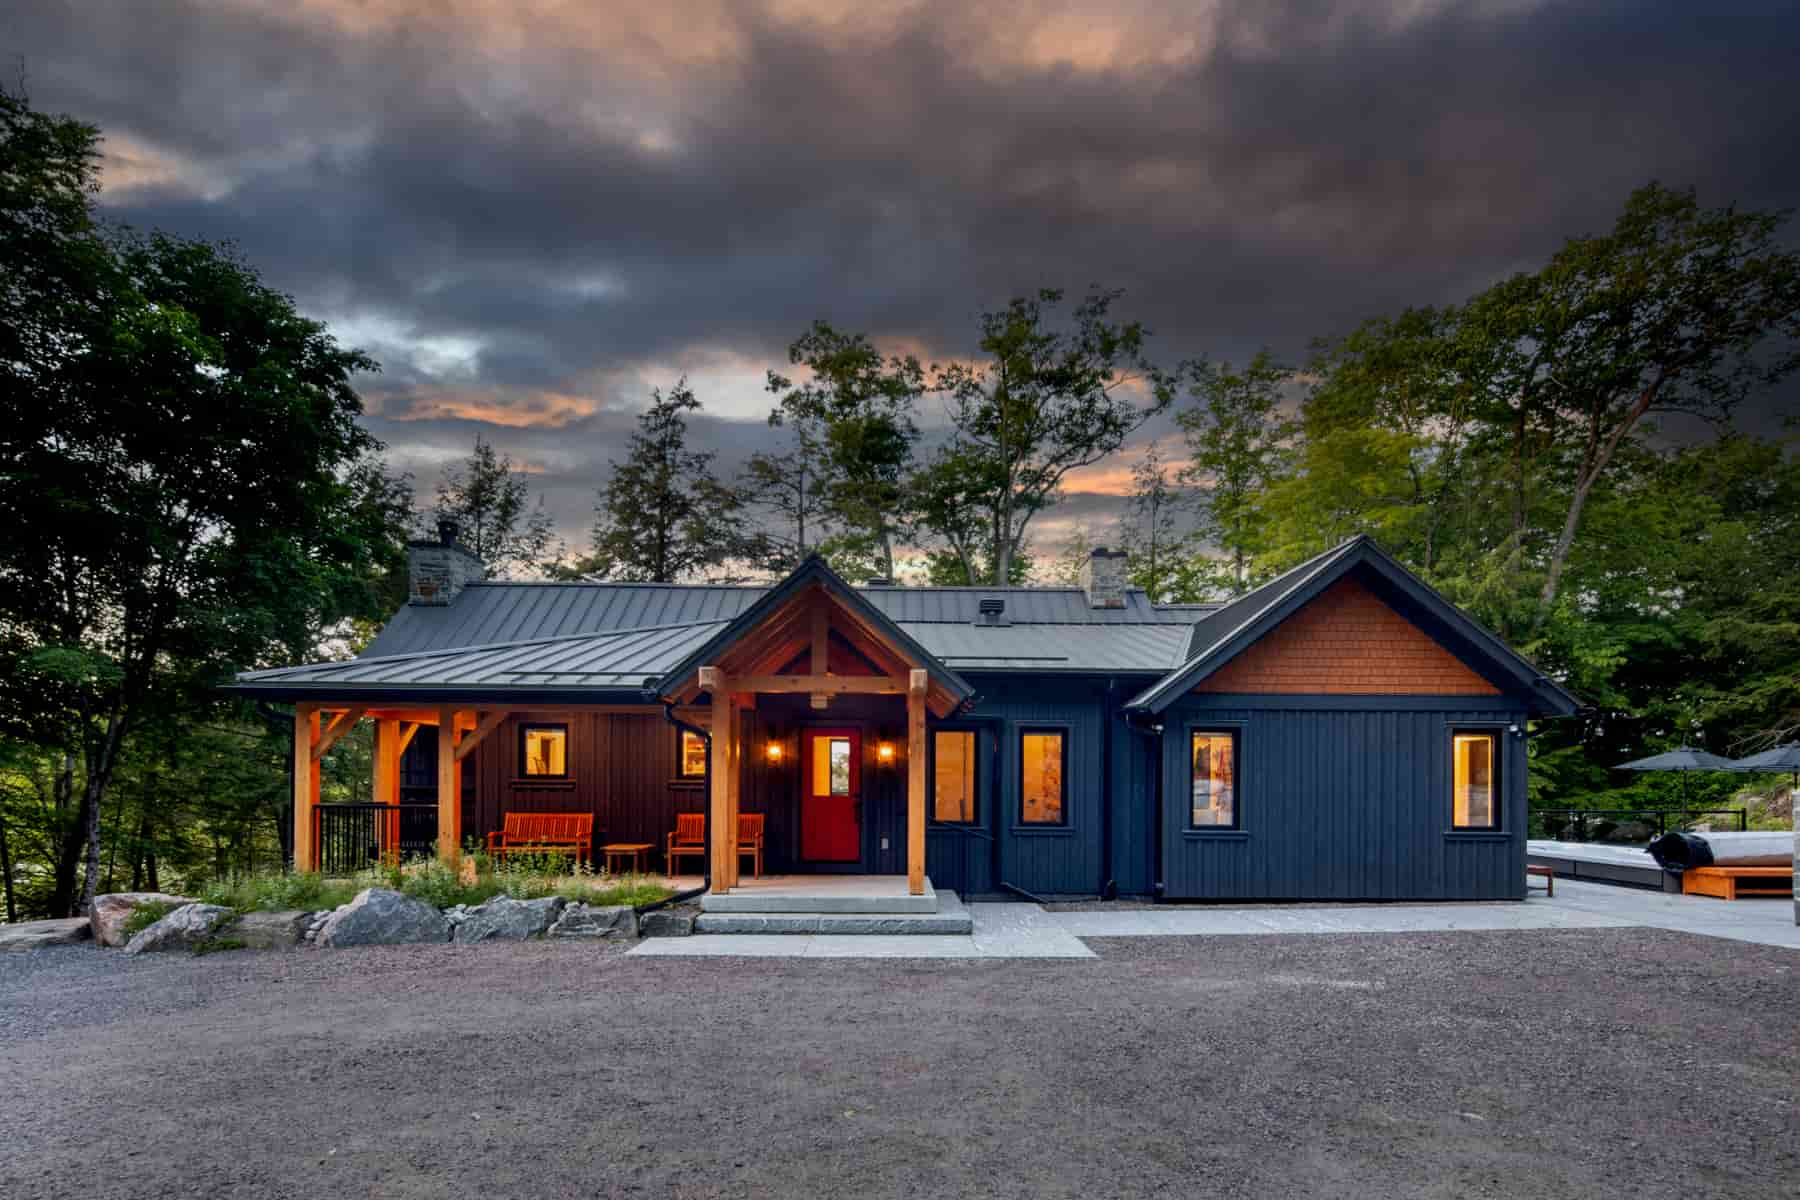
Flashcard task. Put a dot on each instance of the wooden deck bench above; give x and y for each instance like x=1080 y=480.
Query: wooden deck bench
x=1542 y=871
x=544 y=833
x=1729 y=883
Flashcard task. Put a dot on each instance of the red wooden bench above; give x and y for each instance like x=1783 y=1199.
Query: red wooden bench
x=544 y=833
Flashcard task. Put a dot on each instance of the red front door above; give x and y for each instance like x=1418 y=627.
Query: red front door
x=831 y=796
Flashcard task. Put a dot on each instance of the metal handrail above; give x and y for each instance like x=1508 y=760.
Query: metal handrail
x=1579 y=817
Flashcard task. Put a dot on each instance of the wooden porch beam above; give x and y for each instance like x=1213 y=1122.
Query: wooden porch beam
x=407 y=734
x=306 y=786
x=384 y=786
x=341 y=724
x=449 y=788
x=915 y=783
x=487 y=725
x=829 y=685
x=719 y=771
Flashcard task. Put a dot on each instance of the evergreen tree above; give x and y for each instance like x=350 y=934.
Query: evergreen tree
x=491 y=504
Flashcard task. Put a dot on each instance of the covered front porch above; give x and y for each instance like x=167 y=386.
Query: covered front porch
x=788 y=742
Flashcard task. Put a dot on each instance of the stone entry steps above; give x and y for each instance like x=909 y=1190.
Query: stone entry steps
x=848 y=894
x=950 y=917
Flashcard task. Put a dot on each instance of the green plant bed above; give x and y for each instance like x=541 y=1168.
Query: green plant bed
x=144 y=916
x=306 y=890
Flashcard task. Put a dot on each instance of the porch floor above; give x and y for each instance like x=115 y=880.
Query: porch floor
x=822 y=894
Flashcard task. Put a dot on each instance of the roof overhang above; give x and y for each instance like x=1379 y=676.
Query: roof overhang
x=1237 y=626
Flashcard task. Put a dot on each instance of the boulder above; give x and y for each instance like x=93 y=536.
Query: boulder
x=280 y=930
x=35 y=935
x=112 y=911
x=184 y=929
x=379 y=917
x=504 y=919
x=580 y=920
x=666 y=922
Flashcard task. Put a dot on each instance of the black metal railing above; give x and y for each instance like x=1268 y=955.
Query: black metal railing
x=355 y=837
x=1621 y=825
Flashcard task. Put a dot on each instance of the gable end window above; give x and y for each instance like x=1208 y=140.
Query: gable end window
x=690 y=762
x=544 y=751
x=1213 y=779
x=1475 y=780
x=1043 y=773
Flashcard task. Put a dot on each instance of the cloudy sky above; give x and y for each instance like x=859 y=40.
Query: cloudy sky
x=533 y=211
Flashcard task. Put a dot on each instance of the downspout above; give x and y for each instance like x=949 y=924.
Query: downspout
x=668 y=707
x=1110 y=889
x=1154 y=732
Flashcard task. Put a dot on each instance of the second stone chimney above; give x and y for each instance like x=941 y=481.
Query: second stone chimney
x=1103 y=578
x=437 y=571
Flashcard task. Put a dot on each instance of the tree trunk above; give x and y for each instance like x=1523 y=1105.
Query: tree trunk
x=6 y=874
x=93 y=793
x=68 y=850
x=1598 y=457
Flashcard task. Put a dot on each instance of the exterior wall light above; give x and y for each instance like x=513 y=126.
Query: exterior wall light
x=772 y=751
x=884 y=754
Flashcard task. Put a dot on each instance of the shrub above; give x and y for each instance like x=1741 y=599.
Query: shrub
x=287 y=890
x=145 y=915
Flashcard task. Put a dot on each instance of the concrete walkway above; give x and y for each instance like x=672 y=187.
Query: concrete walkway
x=1027 y=931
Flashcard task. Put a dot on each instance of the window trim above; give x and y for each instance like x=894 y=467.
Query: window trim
x=525 y=730
x=931 y=737
x=1217 y=729
x=1496 y=735
x=682 y=774
x=1065 y=734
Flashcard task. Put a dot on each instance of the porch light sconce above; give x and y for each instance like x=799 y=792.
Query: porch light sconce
x=884 y=754
x=772 y=751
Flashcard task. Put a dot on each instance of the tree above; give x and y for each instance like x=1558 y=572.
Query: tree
x=1150 y=531
x=1045 y=402
x=1241 y=445
x=1677 y=310
x=186 y=487
x=491 y=504
x=662 y=515
x=790 y=487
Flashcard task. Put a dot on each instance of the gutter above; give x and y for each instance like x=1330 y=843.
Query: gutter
x=1154 y=732
x=668 y=707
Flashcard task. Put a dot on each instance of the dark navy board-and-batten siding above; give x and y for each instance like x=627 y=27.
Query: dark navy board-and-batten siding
x=1343 y=799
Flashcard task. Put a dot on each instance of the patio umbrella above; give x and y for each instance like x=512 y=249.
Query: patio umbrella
x=1781 y=758
x=1682 y=758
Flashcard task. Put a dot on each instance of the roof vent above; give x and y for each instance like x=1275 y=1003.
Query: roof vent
x=878 y=581
x=991 y=610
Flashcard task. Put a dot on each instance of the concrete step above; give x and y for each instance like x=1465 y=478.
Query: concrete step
x=854 y=895
x=951 y=917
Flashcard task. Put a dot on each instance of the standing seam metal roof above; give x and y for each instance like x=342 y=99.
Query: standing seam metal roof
x=492 y=613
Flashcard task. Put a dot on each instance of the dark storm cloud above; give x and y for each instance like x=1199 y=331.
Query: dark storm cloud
x=545 y=207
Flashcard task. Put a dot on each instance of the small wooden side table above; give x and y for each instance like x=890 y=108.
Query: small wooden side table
x=637 y=852
x=1546 y=873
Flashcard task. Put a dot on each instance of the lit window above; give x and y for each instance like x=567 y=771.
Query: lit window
x=693 y=756
x=1475 y=801
x=1214 y=774
x=1041 y=770
x=544 y=750
x=831 y=766
x=953 y=775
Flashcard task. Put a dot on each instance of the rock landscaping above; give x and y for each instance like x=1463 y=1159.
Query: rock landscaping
x=189 y=927
x=112 y=913
x=376 y=917
x=35 y=935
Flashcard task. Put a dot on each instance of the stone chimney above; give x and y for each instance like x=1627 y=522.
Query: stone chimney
x=1103 y=578
x=437 y=571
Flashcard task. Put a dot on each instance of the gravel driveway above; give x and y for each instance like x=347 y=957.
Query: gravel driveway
x=1544 y=1064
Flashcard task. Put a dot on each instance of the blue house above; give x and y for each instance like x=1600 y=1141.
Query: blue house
x=1341 y=732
